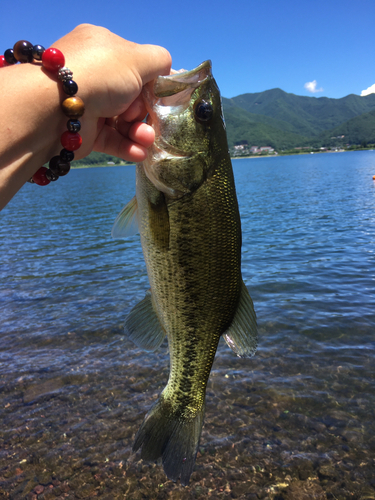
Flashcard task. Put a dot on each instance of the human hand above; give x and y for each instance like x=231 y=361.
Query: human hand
x=110 y=72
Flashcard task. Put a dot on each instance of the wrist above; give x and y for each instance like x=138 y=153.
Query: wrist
x=31 y=134
x=53 y=63
x=33 y=112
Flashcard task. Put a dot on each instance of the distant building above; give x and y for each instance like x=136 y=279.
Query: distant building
x=244 y=149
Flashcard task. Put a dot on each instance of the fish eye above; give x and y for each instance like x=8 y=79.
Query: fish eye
x=203 y=111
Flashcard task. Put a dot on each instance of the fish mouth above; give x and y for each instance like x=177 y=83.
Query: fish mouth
x=170 y=85
x=170 y=95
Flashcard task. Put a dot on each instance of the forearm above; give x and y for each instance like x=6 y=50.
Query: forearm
x=110 y=72
x=31 y=124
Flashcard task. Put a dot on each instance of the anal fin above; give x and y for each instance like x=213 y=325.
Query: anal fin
x=242 y=335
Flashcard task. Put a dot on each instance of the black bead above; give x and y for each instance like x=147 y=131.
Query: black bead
x=22 y=51
x=70 y=87
x=58 y=166
x=9 y=56
x=73 y=126
x=64 y=168
x=53 y=164
x=66 y=155
x=51 y=176
x=38 y=52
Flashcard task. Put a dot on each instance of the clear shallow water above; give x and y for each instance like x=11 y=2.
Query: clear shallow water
x=297 y=419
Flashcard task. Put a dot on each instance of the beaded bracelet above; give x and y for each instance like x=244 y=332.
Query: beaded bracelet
x=73 y=107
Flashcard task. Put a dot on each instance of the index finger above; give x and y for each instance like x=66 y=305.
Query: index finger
x=152 y=61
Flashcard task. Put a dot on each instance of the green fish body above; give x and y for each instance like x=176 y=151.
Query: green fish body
x=187 y=213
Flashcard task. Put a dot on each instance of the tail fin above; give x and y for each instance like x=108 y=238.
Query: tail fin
x=173 y=437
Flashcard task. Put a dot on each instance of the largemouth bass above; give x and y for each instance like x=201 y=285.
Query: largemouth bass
x=187 y=214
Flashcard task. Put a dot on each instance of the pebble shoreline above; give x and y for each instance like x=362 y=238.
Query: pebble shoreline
x=70 y=436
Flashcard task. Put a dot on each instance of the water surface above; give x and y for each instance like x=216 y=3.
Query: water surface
x=297 y=419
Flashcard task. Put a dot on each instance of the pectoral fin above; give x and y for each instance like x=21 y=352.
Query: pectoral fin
x=143 y=326
x=126 y=223
x=242 y=336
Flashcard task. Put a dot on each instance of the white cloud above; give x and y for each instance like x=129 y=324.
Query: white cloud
x=311 y=87
x=370 y=90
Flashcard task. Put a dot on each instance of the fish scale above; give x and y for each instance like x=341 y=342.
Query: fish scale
x=188 y=218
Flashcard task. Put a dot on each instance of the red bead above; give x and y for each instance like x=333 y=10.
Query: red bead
x=3 y=62
x=40 y=177
x=71 y=141
x=53 y=60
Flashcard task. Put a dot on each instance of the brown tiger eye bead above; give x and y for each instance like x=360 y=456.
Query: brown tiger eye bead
x=23 y=51
x=73 y=107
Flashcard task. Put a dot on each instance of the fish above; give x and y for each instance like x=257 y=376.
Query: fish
x=187 y=214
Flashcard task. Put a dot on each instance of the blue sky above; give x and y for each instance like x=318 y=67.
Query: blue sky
x=254 y=46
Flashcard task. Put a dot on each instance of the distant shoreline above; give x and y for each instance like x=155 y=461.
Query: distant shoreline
x=293 y=154
x=239 y=157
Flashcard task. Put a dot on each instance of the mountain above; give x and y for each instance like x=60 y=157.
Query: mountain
x=259 y=130
x=281 y=120
x=285 y=121
x=360 y=129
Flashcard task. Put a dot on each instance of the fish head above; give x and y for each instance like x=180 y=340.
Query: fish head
x=186 y=113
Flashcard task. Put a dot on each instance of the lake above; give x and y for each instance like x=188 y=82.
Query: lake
x=296 y=421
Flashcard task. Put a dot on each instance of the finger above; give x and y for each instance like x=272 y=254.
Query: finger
x=111 y=142
x=138 y=132
x=142 y=134
x=133 y=152
x=136 y=111
x=111 y=122
x=154 y=61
